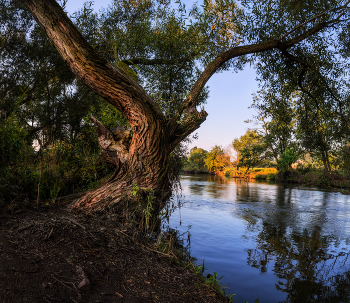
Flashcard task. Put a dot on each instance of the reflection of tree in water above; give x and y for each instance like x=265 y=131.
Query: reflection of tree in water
x=305 y=269
x=207 y=183
x=246 y=191
x=196 y=188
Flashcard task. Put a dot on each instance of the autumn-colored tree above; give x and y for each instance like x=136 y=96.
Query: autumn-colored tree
x=216 y=159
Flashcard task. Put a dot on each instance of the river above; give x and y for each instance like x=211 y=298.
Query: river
x=278 y=243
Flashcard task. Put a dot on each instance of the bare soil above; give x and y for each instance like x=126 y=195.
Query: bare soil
x=48 y=256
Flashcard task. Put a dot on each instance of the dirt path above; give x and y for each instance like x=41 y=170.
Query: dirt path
x=55 y=256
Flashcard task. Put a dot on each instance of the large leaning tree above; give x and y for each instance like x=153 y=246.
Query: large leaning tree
x=142 y=154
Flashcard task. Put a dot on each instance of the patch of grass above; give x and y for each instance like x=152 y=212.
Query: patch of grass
x=254 y=173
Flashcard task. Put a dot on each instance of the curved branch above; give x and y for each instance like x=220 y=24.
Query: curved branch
x=241 y=51
x=192 y=121
x=191 y=101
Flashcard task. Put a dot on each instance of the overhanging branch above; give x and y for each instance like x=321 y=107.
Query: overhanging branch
x=238 y=51
x=191 y=100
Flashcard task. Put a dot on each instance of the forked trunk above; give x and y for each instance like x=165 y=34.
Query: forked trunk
x=141 y=158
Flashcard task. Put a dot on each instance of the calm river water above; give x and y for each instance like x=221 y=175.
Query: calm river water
x=273 y=242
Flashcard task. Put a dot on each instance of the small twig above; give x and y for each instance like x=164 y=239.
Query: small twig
x=150 y=249
x=74 y=222
x=97 y=270
x=63 y=283
x=38 y=196
x=48 y=237
x=25 y=227
x=63 y=276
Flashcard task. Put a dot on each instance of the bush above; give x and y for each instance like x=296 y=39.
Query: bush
x=322 y=180
x=286 y=160
x=304 y=168
x=271 y=177
x=13 y=143
x=62 y=169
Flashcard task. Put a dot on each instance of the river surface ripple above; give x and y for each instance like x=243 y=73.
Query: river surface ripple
x=274 y=242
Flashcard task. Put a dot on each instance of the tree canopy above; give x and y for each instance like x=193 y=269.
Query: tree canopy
x=151 y=63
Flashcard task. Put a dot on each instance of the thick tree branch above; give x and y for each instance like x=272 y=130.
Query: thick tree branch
x=188 y=125
x=302 y=24
x=191 y=101
x=241 y=51
x=106 y=80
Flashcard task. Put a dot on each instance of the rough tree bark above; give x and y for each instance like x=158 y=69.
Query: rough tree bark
x=142 y=154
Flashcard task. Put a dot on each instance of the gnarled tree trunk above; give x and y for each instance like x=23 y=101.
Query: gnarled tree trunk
x=141 y=157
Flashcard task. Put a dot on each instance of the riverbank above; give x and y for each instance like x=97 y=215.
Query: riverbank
x=318 y=179
x=302 y=176
x=308 y=178
x=52 y=255
x=254 y=173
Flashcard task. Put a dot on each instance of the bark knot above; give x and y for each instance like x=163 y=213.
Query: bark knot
x=115 y=143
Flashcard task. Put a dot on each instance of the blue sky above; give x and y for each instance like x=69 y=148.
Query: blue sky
x=228 y=102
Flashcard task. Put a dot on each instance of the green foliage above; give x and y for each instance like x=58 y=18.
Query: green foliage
x=13 y=142
x=149 y=41
x=271 y=177
x=197 y=158
x=342 y=159
x=286 y=160
x=276 y=117
x=250 y=149
x=305 y=89
x=135 y=189
x=196 y=161
x=146 y=200
x=148 y=210
x=59 y=170
x=164 y=49
x=322 y=181
x=172 y=243
x=305 y=168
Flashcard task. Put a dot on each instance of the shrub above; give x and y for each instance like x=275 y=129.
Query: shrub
x=271 y=177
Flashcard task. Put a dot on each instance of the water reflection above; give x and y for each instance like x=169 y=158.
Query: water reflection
x=307 y=262
x=278 y=243
x=306 y=269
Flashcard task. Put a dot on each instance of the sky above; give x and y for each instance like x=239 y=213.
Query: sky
x=229 y=98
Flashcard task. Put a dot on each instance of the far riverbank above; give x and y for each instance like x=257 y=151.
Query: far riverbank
x=302 y=176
